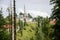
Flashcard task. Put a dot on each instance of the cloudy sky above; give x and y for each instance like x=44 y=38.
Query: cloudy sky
x=34 y=7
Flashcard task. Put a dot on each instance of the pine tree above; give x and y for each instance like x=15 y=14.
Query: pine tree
x=39 y=33
x=3 y=34
x=2 y=21
x=20 y=24
x=56 y=15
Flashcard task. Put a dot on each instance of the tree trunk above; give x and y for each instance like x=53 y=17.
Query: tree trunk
x=14 y=21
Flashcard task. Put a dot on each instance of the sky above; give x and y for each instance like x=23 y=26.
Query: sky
x=34 y=7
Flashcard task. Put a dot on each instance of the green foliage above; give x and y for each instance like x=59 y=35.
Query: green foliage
x=4 y=35
x=56 y=15
x=39 y=30
x=29 y=15
x=2 y=21
x=39 y=33
x=56 y=9
x=3 y=32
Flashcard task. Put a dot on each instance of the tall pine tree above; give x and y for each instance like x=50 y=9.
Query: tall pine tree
x=3 y=34
x=56 y=15
x=2 y=22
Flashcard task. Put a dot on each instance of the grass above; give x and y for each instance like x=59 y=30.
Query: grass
x=28 y=32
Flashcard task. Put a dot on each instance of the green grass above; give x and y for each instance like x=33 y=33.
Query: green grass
x=28 y=33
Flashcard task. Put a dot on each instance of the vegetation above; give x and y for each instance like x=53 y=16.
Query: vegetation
x=39 y=29
x=56 y=15
x=4 y=35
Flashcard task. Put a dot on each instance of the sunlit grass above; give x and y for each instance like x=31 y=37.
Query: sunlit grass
x=28 y=32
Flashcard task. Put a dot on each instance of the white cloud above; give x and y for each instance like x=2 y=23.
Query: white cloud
x=32 y=12
x=4 y=9
x=38 y=13
x=35 y=13
x=3 y=6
